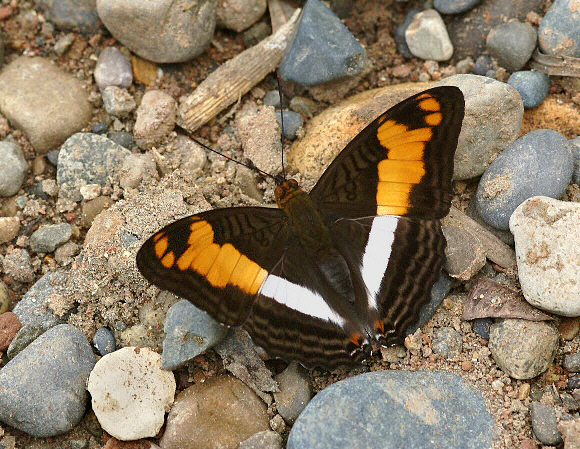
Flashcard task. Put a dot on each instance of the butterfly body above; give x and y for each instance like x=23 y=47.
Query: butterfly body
x=335 y=271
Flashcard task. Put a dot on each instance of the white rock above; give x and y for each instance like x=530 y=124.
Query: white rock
x=131 y=393
x=547 y=238
x=427 y=37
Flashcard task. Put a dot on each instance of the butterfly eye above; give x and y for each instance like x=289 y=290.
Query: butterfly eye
x=293 y=183
x=278 y=192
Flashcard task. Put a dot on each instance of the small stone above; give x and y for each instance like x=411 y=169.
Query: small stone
x=51 y=373
x=402 y=47
x=272 y=98
x=523 y=358
x=63 y=44
x=220 y=412
x=548 y=265
x=305 y=106
x=323 y=49
x=447 y=342
x=92 y=208
x=427 y=37
x=256 y=34
x=544 y=424
x=155 y=118
x=123 y=138
x=118 y=102
x=9 y=227
x=90 y=191
x=466 y=365
x=539 y=163
x=137 y=167
x=512 y=44
x=464 y=253
x=292 y=123
x=570 y=431
x=71 y=15
x=263 y=440
x=558 y=33
x=25 y=335
x=533 y=87
x=17 y=265
x=47 y=238
x=482 y=65
x=576 y=153
x=237 y=15
x=569 y=328
x=295 y=392
x=454 y=6
x=189 y=332
x=9 y=325
x=65 y=253
x=481 y=327
x=104 y=341
x=13 y=168
x=131 y=393
x=113 y=69
x=5 y=299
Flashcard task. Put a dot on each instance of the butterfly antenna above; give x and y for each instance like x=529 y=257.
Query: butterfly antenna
x=249 y=164
x=281 y=125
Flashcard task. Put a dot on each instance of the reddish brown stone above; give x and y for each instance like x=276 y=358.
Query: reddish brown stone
x=9 y=325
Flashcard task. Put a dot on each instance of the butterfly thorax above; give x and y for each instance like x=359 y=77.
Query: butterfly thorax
x=314 y=236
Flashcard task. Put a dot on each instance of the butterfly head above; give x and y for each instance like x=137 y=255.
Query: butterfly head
x=286 y=190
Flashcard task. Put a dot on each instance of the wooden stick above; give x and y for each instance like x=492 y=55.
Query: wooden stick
x=235 y=78
x=495 y=249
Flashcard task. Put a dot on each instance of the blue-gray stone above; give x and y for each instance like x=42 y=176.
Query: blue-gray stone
x=49 y=237
x=84 y=159
x=292 y=123
x=99 y=128
x=454 y=6
x=482 y=65
x=576 y=153
x=572 y=362
x=272 y=98
x=539 y=163
x=402 y=47
x=323 y=49
x=33 y=307
x=559 y=33
x=544 y=424
x=481 y=327
x=26 y=335
x=533 y=87
x=43 y=389
x=189 y=332
x=78 y=15
x=512 y=44
x=123 y=138
x=395 y=409
x=104 y=341
x=438 y=293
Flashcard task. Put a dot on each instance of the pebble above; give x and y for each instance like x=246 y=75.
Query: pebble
x=13 y=168
x=454 y=6
x=538 y=163
x=189 y=331
x=33 y=307
x=483 y=64
x=26 y=335
x=5 y=299
x=137 y=167
x=533 y=87
x=9 y=227
x=523 y=358
x=571 y=362
x=56 y=104
x=63 y=44
x=266 y=439
x=237 y=15
x=438 y=293
x=482 y=139
x=323 y=49
x=71 y=14
x=272 y=98
x=559 y=33
x=303 y=106
x=123 y=138
x=113 y=69
x=118 y=102
x=569 y=328
x=17 y=266
x=395 y=409
x=464 y=253
x=402 y=47
x=47 y=238
x=87 y=158
x=292 y=123
x=576 y=153
x=220 y=412
x=574 y=382
x=9 y=325
x=155 y=118
x=544 y=424
x=131 y=392
x=427 y=37
x=51 y=374
x=512 y=44
x=294 y=392
x=548 y=265
x=92 y=208
x=162 y=31
x=481 y=327
x=256 y=34
x=104 y=341
x=447 y=342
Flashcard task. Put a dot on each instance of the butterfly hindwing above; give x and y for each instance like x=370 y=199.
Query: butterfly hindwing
x=400 y=164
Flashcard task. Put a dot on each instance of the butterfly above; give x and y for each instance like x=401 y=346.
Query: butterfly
x=331 y=274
